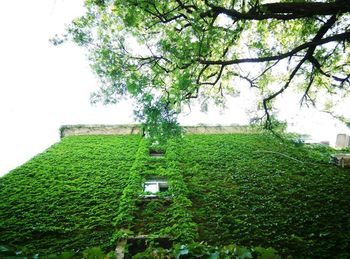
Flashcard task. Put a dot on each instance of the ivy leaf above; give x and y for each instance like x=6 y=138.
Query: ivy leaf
x=266 y=253
x=243 y=253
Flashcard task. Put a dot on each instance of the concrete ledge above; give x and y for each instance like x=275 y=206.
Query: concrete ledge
x=99 y=129
x=202 y=129
x=342 y=160
x=127 y=129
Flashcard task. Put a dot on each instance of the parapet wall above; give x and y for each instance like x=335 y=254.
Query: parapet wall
x=97 y=129
x=202 y=129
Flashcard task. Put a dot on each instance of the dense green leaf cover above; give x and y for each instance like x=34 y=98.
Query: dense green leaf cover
x=66 y=197
x=259 y=190
x=246 y=189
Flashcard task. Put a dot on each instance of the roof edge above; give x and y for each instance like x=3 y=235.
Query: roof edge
x=129 y=129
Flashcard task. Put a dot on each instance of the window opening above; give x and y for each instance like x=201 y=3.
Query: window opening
x=155 y=186
x=163 y=186
x=132 y=245
x=152 y=187
x=156 y=153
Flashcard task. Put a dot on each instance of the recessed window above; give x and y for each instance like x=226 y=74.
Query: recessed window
x=156 y=153
x=155 y=186
x=136 y=244
x=163 y=187
x=151 y=187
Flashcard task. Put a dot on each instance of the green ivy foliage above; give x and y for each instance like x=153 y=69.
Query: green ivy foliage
x=246 y=189
x=169 y=216
x=257 y=189
x=66 y=197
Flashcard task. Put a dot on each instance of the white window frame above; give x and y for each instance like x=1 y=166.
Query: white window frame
x=158 y=184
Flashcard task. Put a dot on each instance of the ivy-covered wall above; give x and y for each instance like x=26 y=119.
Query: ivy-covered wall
x=246 y=189
x=66 y=198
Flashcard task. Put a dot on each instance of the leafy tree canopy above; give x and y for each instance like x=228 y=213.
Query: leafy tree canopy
x=165 y=54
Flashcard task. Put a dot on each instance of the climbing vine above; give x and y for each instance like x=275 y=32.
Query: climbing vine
x=245 y=189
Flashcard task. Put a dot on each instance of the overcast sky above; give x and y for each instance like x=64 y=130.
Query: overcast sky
x=43 y=87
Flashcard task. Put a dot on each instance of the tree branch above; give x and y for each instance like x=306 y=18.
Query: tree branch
x=306 y=95
x=337 y=37
x=308 y=56
x=266 y=100
x=281 y=11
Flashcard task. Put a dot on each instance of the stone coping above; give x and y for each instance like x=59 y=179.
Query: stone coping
x=127 y=129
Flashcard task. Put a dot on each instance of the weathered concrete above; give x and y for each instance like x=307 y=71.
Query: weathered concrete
x=217 y=129
x=342 y=141
x=120 y=249
x=342 y=160
x=96 y=129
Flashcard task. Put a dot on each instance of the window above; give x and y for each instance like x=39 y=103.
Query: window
x=137 y=244
x=155 y=186
x=155 y=153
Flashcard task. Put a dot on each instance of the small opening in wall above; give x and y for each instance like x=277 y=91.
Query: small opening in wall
x=156 y=153
x=155 y=187
x=139 y=244
x=163 y=187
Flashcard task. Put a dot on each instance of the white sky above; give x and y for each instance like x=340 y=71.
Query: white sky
x=43 y=87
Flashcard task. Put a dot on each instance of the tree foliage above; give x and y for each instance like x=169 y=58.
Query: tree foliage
x=165 y=54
